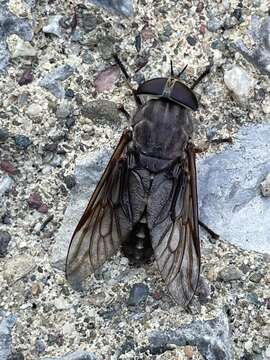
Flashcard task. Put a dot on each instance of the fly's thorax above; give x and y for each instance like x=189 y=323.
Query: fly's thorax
x=162 y=129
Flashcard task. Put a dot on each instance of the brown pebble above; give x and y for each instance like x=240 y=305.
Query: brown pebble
x=188 y=352
x=8 y=167
x=34 y=201
x=36 y=289
x=43 y=209
x=107 y=78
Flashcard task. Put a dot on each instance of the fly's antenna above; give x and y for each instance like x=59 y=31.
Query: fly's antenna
x=182 y=71
x=172 y=72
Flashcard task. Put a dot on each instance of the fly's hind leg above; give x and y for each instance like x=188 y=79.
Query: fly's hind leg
x=194 y=150
x=214 y=235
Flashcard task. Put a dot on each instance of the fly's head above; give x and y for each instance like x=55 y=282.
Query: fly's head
x=171 y=89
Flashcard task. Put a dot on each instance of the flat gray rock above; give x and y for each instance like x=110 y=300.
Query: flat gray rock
x=259 y=54
x=6 y=325
x=230 y=200
x=122 y=7
x=212 y=338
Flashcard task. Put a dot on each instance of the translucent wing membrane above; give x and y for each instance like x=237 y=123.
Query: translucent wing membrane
x=174 y=230
x=97 y=236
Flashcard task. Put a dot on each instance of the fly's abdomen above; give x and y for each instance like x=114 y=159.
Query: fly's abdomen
x=137 y=247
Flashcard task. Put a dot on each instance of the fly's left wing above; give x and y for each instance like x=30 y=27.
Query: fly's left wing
x=97 y=235
x=173 y=222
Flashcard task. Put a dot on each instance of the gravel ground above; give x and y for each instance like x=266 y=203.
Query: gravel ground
x=59 y=94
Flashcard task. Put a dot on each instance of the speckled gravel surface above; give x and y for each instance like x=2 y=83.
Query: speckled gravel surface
x=60 y=93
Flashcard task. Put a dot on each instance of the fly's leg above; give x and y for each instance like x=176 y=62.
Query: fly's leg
x=197 y=81
x=127 y=77
x=210 y=231
x=122 y=109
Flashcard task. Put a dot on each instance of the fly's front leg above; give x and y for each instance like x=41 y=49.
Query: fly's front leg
x=122 y=109
x=127 y=77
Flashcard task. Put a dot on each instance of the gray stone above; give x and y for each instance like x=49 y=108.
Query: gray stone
x=11 y=24
x=51 y=82
x=22 y=142
x=214 y=25
x=78 y=355
x=87 y=173
x=40 y=346
x=6 y=326
x=229 y=190
x=6 y=183
x=265 y=186
x=53 y=26
x=63 y=110
x=101 y=112
x=123 y=7
x=240 y=83
x=4 y=135
x=138 y=294
x=230 y=273
x=259 y=54
x=212 y=338
x=4 y=241
x=17 y=267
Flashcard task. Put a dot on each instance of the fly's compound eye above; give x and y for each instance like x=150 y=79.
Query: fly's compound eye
x=181 y=94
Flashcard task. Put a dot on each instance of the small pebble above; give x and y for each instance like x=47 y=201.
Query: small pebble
x=188 y=352
x=69 y=93
x=4 y=135
x=40 y=346
x=63 y=110
x=53 y=26
x=34 y=111
x=8 y=167
x=230 y=273
x=240 y=83
x=191 y=40
x=22 y=142
x=5 y=238
x=22 y=49
x=43 y=209
x=26 y=77
x=256 y=277
x=34 y=201
x=101 y=112
x=18 y=355
x=6 y=183
x=36 y=288
x=265 y=186
x=213 y=25
x=138 y=294
x=107 y=78
x=70 y=181
x=70 y=121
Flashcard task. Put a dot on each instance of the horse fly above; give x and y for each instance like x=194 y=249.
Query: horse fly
x=145 y=203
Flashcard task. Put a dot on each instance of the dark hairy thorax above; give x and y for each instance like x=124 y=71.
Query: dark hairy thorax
x=162 y=130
